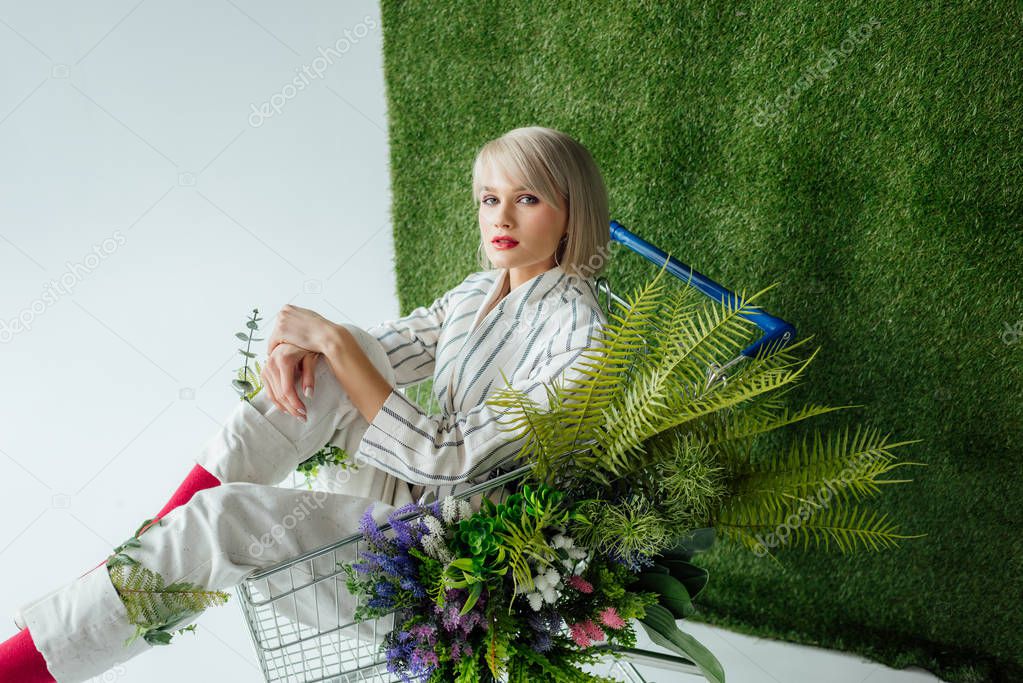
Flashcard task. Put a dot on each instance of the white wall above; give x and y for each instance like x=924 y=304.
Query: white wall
x=133 y=169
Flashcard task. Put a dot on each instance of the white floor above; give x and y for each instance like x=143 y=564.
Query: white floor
x=146 y=207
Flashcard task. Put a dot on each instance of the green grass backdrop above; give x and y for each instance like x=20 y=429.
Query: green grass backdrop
x=865 y=155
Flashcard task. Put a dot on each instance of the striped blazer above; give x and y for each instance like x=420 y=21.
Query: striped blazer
x=534 y=334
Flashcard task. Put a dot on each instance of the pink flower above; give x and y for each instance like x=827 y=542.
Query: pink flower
x=592 y=631
x=579 y=634
x=579 y=583
x=610 y=618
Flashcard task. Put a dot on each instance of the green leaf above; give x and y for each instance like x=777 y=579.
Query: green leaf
x=463 y=563
x=671 y=592
x=247 y=354
x=252 y=325
x=696 y=541
x=661 y=628
x=241 y=335
x=157 y=637
x=474 y=595
x=692 y=577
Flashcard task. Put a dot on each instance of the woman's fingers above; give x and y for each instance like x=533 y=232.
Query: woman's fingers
x=270 y=384
x=309 y=373
x=286 y=382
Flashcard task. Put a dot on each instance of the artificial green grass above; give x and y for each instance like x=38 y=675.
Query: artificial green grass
x=885 y=198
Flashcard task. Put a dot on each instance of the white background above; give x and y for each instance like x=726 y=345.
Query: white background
x=135 y=176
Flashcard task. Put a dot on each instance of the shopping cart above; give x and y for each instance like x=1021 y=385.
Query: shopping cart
x=299 y=611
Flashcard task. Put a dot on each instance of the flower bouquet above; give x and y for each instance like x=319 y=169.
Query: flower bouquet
x=634 y=466
x=501 y=592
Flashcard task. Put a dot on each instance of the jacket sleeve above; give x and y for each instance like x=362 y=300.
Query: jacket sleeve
x=411 y=341
x=455 y=447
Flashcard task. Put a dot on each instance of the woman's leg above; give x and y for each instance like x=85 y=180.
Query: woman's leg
x=214 y=541
x=260 y=444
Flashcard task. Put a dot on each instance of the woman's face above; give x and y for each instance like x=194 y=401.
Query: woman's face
x=534 y=225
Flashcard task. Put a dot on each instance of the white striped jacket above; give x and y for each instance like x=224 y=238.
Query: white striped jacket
x=534 y=334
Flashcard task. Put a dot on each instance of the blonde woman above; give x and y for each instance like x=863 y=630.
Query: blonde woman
x=530 y=311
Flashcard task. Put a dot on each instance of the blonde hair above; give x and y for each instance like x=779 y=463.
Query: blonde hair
x=556 y=167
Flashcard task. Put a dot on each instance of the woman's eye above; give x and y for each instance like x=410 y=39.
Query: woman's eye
x=533 y=200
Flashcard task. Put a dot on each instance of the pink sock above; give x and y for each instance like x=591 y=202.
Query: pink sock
x=20 y=660
x=197 y=480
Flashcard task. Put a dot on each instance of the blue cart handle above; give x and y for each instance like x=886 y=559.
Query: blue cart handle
x=776 y=330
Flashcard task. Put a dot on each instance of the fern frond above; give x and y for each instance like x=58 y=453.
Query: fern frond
x=849 y=528
x=846 y=470
x=150 y=604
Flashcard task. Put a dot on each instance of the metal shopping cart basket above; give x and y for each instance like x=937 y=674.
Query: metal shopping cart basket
x=296 y=610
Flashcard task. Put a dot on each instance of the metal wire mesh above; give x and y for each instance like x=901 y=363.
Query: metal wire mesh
x=299 y=614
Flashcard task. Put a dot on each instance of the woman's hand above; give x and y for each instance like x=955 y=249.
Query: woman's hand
x=301 y=327
x=282 y=365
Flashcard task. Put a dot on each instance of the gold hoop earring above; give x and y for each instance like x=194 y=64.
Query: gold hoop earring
x=564 y=240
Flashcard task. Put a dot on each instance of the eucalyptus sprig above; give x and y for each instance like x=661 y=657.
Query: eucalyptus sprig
x=329 y=455
x=247 y=383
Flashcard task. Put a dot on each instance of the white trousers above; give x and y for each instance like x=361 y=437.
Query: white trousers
x=247 y=523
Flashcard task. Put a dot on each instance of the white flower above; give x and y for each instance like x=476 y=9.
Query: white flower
x=449 y=510
x=454 y=510
x=552 y=576
x=549 y=579
x=577 y=553
x=562 y=541
x=434 y=526
x=436 y=548
x=535 y=601
x=551 y=596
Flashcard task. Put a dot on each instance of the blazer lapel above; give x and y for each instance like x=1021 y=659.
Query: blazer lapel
x=488 y=318
x=488 y=302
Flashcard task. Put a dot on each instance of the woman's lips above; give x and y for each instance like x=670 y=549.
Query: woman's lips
x=504 y=243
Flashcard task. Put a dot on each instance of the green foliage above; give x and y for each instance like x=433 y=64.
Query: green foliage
x=247 y=382
x=330 y=456
x=660 y=626
x=156 y=608
x=630 y=527
x=662 y=447
x=506 y=536
x=558 y=666
x=810 y=493
x=500 y=628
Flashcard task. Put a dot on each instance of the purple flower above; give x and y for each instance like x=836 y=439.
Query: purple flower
x=545 y=624
x=460 y=649
x=368 y=527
